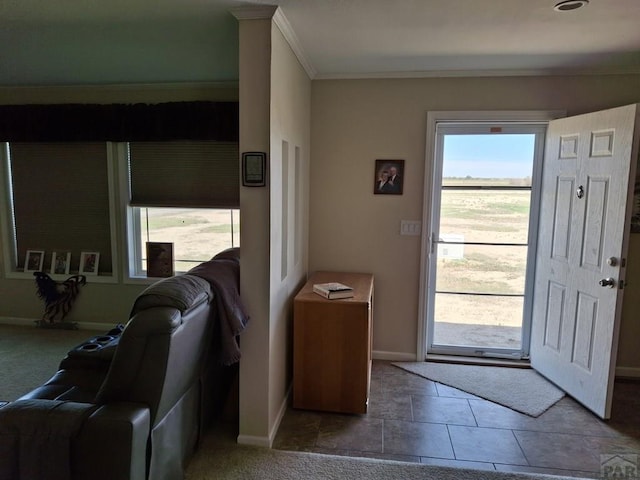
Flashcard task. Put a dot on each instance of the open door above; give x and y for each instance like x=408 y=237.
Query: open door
x=587 y=190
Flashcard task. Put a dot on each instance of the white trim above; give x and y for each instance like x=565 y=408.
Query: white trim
x=254 y=441
x=130 y=224
x=433 y=117
x=278 y=17
x=19 y=275
x=7 y=227
x=254 y=12
x=629 y=372
x=126 y=93
x=481 y=73
x=292 y=39
x=112 y=180
x=268 y=440
x=30 y=322
x=395 y=356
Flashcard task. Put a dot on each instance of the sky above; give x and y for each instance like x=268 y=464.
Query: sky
x=488 y=156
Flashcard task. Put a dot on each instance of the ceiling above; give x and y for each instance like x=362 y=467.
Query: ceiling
x=72 y=42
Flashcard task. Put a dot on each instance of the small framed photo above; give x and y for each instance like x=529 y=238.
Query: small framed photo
x=60 y=262
x=254 y=167
x=388 y=177
x=89 y=263
x=159 y=259
x=34 y=261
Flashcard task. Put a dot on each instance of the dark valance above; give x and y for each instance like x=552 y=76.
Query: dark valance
x=120 y=122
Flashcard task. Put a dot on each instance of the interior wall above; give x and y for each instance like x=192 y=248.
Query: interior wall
x=275 y=97
x=255 y=64
x=99 y=304
x=355 y=122
x=289 y=171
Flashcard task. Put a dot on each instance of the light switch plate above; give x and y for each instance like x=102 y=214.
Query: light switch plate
x=410 y=227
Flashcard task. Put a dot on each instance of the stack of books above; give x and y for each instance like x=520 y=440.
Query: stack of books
x=333 y=290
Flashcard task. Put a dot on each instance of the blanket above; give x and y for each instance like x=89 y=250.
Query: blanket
x=223 y=274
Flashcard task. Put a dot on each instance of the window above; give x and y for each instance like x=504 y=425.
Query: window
x=67 y=197
x=182 y=192
x=197 y=234
x=58 y=199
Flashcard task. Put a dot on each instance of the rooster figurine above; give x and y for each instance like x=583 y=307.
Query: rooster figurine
x=58 y=296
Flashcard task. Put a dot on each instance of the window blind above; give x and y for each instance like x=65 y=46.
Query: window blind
x=61 y=200
x=184 y=174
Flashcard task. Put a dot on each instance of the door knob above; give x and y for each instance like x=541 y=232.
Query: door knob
x=607 y=282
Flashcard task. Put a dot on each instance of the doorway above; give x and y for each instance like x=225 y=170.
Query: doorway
x=483 y=229
x=584 y=188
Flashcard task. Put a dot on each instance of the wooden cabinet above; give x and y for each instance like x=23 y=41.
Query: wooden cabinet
x=332 y=342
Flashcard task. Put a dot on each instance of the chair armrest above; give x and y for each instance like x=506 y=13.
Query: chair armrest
x=112 y=444
x=96 y=352
x=36 y=437
x=63 y=440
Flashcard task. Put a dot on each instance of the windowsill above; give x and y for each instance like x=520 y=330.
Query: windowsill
x=59 y=278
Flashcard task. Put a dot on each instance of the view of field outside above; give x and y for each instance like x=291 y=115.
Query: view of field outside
x=483 y=234
x=196 y=234
x=494 y=216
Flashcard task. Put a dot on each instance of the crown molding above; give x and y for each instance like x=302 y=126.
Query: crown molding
x=131 y=86
x=290 y=36
x=278 y=17
x=254 y=12
x=635 y=70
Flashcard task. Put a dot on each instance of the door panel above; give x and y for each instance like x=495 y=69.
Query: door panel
x=586 y=179
x=595 y=218
x=563 y=212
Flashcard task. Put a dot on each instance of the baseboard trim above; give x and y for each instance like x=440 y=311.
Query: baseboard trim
x=267 y=441
x=281 y=413
x=30 y=322
x=254 y=441
x=394 y=356
x=628 y=372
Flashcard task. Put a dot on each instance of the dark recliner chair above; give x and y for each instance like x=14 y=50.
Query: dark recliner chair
x=131 y=407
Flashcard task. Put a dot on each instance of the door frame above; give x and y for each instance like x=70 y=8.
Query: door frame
x=433 y=118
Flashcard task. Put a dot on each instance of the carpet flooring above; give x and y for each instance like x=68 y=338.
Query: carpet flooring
x=521 y=389
x=30 y=356
x=215 y=460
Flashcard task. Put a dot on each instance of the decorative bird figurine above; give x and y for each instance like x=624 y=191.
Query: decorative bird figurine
x=58 y=296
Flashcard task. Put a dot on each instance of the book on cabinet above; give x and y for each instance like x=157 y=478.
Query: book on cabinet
x=333 y=290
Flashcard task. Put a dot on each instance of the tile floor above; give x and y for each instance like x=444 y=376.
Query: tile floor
x=414 y=419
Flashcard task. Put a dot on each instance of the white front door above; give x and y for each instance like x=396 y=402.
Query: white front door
x=582 y=243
